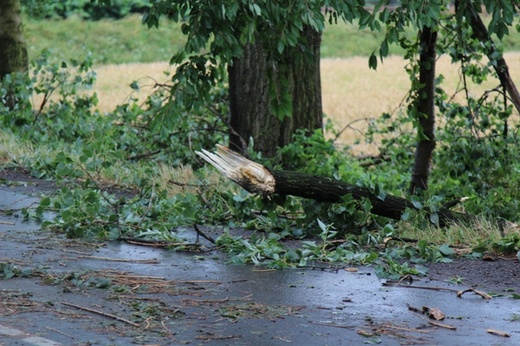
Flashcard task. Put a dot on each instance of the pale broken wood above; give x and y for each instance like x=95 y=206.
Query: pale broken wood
x=252 y=176
x=498 y=332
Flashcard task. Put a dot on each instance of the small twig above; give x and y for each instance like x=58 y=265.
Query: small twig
x=263 y=270
x=150 y=261
x=158 y=244
x=102 y=314
x=7 y=223
x=349 y=126
x=203 y=235
x=217 y=301
x=436 y=324
x=76 y=252
x=137 y=277
x=404 y=329
x=459 y=293
x=60 y=332
x=479 y=293
x=212 y=336
x=144 y=155
x=409 y=278
x=332 y=325
x=498 y=332
x=403 y=239
x=183 y=184
x=194 y=282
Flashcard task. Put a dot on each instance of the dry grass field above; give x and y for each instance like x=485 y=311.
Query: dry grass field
x=351 y=90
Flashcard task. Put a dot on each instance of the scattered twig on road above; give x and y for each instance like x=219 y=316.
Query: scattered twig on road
x=158 y=244
x=145 y=261
x=60 y=332
x=482 y=294
x=436 y=324
x=212 y=336
x=404 y=329
x=326 y=324
x=105 y=314
x=203 y=235
x=498 y=332
x=459 y=292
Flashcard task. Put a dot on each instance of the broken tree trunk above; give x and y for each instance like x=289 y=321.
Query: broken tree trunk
x=255 y=178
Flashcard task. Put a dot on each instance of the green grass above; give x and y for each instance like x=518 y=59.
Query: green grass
x=127 y=40
x=111 y=41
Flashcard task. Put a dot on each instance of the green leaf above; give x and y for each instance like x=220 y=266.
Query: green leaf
x=45 y=202
x=134 y=85
x=383 y=50
x=416 y=202
x=434 y=218
x=372 y=61
x=256 y=9
x=322 y=225
x=280 y=46
x=446 y=250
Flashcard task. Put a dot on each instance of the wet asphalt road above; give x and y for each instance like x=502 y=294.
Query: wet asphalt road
x=199 y=299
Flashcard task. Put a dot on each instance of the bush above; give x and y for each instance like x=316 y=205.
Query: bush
x=86 y=9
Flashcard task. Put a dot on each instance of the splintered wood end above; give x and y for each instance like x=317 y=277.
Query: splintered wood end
x=250 y=175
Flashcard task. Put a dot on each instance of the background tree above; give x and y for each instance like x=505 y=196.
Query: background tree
x=13 y=52
x=425 y=17
x=272 y=53
x=260 y=84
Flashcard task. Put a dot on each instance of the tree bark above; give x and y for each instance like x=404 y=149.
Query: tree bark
x=330 y=190
x=13 y=50
x=256 y=81
x=255 y=178
x=480 y=32
x=425 y=111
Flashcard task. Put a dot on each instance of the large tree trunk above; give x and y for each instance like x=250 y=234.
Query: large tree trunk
x=257 y=82
x=13 y=51
x=425 y=110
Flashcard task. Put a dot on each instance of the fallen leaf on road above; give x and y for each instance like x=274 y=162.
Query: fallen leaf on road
x=434 y=313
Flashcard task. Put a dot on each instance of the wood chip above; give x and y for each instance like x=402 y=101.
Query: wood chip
x=498 y=332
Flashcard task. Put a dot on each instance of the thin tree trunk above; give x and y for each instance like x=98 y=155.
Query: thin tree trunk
x=425 y=110
x=480 y=32
x=255 y=83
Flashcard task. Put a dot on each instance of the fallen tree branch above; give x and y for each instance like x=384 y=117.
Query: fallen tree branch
x=256 y=178
x=102 y=314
